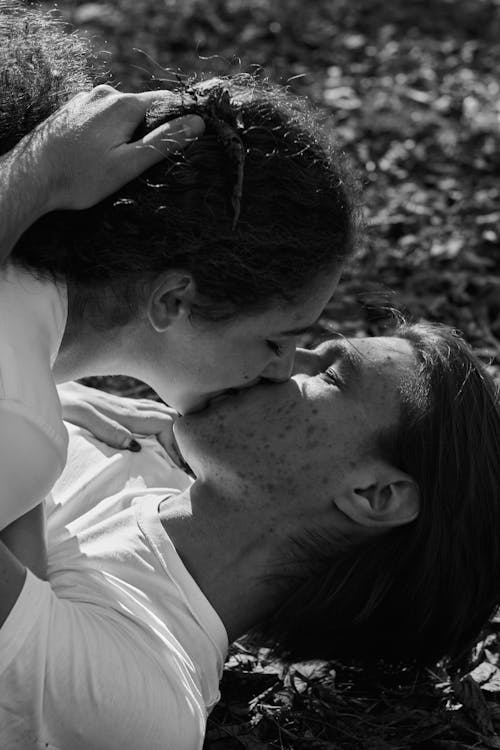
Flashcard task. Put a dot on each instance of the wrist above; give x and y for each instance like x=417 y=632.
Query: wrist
x=23 y=181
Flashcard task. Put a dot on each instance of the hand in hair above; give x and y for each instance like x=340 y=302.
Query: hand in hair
x=86 y=145
x=81 y=154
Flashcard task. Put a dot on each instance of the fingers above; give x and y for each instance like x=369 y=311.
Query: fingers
x=144 y=423
x=150 y=409
x=114 y=434
x=104 y=428
x=168 y=443
x=148 y=98
x=131 y=109
x=167 y=139
x=88 y=150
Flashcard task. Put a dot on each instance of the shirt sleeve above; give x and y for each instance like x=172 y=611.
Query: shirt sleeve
x=30 y=462
x=73 y=677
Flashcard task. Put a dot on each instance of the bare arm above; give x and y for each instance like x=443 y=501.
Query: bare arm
x=81 y=154
x=20 y=202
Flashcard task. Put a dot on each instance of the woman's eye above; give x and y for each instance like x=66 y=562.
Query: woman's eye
x=274 y=347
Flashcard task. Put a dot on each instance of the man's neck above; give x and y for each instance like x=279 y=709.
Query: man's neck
x=227 y=557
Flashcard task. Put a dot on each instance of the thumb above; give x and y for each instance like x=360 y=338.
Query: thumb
x=168 y=138
x=168 y=443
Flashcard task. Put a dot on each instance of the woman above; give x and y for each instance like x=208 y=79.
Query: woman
x=352 y=511
x=195 y=278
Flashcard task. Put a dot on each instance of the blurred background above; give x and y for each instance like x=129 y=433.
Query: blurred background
x=413 y=93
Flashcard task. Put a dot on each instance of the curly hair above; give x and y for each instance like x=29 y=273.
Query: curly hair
x=255 y=209
x=422 y=591
x=41 y=67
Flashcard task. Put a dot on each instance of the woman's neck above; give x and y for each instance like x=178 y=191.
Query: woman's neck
x=90 y=348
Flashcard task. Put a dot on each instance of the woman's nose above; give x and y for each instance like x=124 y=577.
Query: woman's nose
x=281 y=367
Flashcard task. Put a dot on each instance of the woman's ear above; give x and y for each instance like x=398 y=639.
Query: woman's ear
x=379 y=495
x=170 y=297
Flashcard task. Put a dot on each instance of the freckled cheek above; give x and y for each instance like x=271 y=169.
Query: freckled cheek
x=316 y=435
x=294 y=452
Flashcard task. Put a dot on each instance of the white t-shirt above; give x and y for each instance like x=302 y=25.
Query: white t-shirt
x=120 y=649
x=33 y=439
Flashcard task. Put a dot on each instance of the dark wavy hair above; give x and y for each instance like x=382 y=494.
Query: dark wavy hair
x=256 y=209
x=423 y=591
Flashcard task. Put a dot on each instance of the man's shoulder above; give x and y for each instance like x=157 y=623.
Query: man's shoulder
x=95 y=472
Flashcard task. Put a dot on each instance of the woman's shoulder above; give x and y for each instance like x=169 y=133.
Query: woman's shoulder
x=33 y=311
x=32 y=320
x=30 y=462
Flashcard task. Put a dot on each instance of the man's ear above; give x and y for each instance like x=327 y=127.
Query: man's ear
x=379 y=496
x=170 y=297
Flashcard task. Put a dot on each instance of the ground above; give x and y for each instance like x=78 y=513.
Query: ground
x=414 y=93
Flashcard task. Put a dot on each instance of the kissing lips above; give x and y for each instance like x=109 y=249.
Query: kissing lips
x=223 y=395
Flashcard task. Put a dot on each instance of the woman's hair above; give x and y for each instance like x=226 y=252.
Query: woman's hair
x=255 y=209
x=422 y=591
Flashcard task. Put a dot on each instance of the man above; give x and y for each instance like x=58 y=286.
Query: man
x=151 y=574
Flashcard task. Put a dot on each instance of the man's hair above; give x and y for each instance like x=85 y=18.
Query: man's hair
x=422 y=591
x=256 y=208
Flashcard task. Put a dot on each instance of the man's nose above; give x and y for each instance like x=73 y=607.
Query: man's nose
x=281 y=366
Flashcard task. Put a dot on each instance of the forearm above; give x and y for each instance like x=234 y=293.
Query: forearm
x=21 y=199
